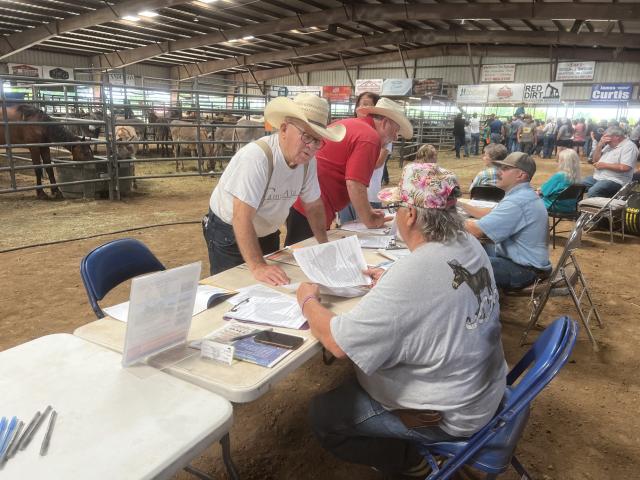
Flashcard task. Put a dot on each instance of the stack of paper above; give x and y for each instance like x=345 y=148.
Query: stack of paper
x=362 y=228
x=260 y=304
x=336 y=265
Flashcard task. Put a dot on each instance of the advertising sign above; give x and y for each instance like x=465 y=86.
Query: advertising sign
x=373 y=86
x=503 y=72
x=116 y=78
x=25 y=70
x=549 y=92
x=337 y=94
x=427 y=87
x=506 y=92
x=472 y=94
x=397 y=87
x=611 y=92
x=575 y=70
x=294 y=90
x=57 y=73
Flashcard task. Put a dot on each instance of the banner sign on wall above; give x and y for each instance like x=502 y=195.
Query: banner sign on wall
x=549 y=92
x=505 y=93
x=427 y=87
x=337 y=94
x=57 y=73
x=294 y=90
x=611 y=92
x=472 y=94
x=373 y=86
x=397 y=87
x=575 y=70
x=504 y=72
x=25 y=70
x=116 y=78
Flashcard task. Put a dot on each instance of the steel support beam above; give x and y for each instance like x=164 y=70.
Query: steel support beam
x=373 y=13
x=28 y=38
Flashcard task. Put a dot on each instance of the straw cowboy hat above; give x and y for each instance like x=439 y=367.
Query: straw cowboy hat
x=311 y=109
x=390 y=109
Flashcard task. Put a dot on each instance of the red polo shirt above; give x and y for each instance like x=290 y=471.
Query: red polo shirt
x=354 y=158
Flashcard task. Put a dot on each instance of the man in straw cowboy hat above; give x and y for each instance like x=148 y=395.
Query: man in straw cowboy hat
x=261 y=182
x=425 y=340
x=345 y=168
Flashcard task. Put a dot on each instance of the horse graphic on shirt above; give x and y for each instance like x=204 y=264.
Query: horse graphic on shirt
x=477 y=282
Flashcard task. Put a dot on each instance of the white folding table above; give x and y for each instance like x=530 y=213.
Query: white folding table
x=136 y=423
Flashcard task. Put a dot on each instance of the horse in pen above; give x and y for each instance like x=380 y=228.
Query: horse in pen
x=49 y=132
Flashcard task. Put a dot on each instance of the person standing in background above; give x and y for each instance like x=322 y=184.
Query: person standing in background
x=474 y=127
x=459 y=135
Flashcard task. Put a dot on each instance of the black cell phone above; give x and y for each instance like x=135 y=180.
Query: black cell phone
x=279 y=340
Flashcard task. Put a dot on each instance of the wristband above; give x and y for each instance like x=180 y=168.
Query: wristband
x=306 y=299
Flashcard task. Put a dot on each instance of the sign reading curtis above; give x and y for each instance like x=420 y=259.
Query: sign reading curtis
x=611 y=92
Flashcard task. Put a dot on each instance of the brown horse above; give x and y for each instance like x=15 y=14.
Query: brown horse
x=49 y=133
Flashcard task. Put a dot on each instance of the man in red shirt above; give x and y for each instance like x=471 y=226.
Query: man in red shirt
x=345 y=168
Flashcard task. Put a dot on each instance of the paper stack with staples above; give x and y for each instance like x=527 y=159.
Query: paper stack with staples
x=337 y=266
x=264 y=305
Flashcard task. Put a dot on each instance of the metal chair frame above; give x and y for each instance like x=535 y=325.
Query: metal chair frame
x=572 y=192
x=609 y=209
x=565 y=279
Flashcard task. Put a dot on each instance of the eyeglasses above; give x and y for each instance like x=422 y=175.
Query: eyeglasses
x=394 y=206
x=308 y=139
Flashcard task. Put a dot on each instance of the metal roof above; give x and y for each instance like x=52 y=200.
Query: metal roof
x=254 y=36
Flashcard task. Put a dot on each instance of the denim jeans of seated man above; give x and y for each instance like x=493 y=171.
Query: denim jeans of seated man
x=354 y=427
x=509 y=275
x=224 y=252
x=600 y=188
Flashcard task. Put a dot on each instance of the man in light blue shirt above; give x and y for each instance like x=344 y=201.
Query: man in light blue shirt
x=517 y=226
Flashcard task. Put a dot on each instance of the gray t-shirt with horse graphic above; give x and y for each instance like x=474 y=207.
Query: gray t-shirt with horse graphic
x=427 y=336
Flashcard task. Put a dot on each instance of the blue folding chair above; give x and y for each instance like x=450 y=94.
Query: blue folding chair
x=491 y=449
x=107 y=266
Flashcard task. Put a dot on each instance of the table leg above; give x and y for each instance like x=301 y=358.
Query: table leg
x=226 y=458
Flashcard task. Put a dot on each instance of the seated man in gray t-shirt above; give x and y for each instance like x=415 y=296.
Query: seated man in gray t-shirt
x=425 y=341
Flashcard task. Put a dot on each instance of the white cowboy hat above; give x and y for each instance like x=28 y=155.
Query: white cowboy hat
x=311 y=109
x=393 y=110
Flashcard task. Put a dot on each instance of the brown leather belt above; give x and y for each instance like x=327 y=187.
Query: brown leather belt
x=418 y=418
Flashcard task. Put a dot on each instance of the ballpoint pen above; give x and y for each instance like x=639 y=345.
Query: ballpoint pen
x=247 y=335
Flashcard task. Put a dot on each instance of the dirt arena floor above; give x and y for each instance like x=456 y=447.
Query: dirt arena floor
x=583 y=426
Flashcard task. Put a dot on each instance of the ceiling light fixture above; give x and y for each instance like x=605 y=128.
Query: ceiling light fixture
x=148 y=13
x=131 y=18
x=207 y=1
x=248 y=37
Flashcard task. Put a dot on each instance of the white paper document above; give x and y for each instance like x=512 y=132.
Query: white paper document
x=395 y=254
x=204 y=293
x=160 y=311
x=260 y=304
x=376 y=241
x=359 y=227
x=335 y=264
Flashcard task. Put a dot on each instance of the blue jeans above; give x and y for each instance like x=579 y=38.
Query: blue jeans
x=548 y=142
x=601 y=188
x=475 y=140
x=496 y=138
x=515 y=146
x=348 y=213
x=510 y=275
x=354 y=427
x=459 y=143
x=224 y=252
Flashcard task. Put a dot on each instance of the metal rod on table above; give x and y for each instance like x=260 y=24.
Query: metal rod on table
x=29 y=435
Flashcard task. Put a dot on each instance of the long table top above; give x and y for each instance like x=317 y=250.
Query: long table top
x=241 y=381
x=112 y=422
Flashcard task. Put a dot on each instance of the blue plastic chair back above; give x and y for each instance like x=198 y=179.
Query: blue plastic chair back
x=491 y=449
x=107 y=266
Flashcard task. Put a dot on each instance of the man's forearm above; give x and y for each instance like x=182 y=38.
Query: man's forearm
x=473 y=228
x=317 y=219
x=247 y=241
x=360 y=201
x=597 y=153
x=475 y=212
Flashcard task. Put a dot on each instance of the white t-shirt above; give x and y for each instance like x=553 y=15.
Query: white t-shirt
x=375 y=184
x=474 y=125
x=424 y=338
x=246 y=179
x=625 y=153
